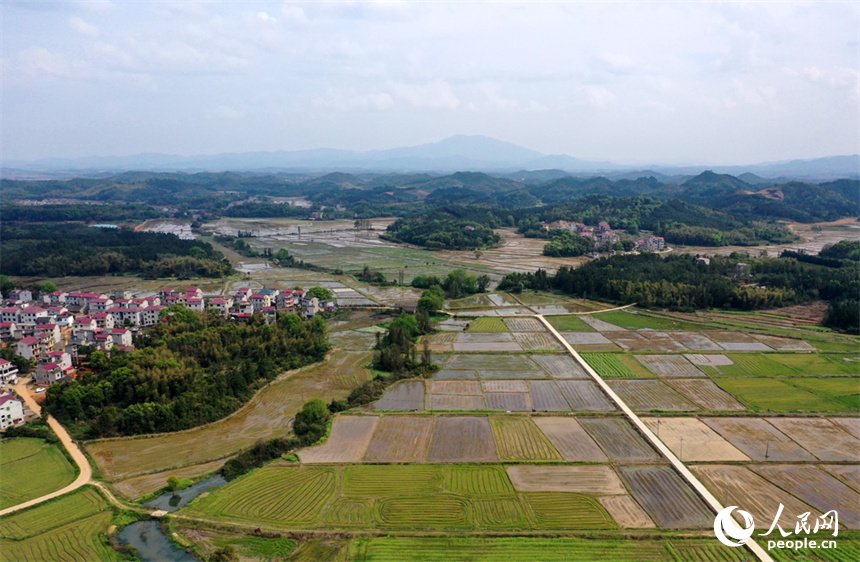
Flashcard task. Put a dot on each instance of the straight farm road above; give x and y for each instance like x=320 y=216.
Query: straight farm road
x=77 y=455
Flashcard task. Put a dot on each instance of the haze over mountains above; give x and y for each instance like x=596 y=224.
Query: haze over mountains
x=457 y=153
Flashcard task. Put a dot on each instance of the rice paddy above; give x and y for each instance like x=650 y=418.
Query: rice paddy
x=519 y=439
x=30 y=468
x=611 y=365
x=774 y=395
x=487 y=324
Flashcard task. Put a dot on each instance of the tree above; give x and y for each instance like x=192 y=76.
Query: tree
x=172 y=483
x=483 y=282
x=224 y=554
x=478 y=254
x=321 y=293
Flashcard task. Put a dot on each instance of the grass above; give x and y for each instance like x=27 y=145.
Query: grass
x=68 y=528
x=569 y=323
x=488 y=324
x=640 y=320
x=772 y=395
x=612 y=365
x=30 y=468
x=845 y=390
x=260 y=547
x=519 y=439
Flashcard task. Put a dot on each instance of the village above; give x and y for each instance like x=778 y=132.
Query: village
x=604 y=236
x=51 y=330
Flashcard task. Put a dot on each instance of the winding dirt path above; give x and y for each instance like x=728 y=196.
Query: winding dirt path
x=86 y=472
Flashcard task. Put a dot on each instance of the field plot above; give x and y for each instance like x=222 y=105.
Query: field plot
x=747 y=364
x=263 y=417
x=353 y=339
x=851 y=425
x=618 y=439
x=452 y=325
x=666 y=498
x=400 y=439
x=139 y=485
x=525 y=325
x=519 y=439
x=609 y=365
x=349 y=438
x=452 y=374
x=848 y=473
x=569 y=323
x=461 y=402
x=819 y=365
x=31 y=468
x=631 y=341
x=845 y=390
x=772 y=395
x=500 y=513
x=560 y=366
x=486 y=341
x=823 y=439
x=349 y=512
x=479 y=481
x=584 y=396
x=706 y=394
x=443 y=341
x=433 y=512
x=651 y=395
x=676 y=366
x=661 y=341
x=294 y=495
x=783 y=344
x=518 y=363
x=509 y=401
x=696 y=341
x=692 y=440
x=586 y=479
x=44 y=517
x=547 y=397
x=454 y=387
x=76 y=541
x=505 y=386
x=555 y=510
x=462 y=439
x=570 y=439
x=817 y=488
x=756 y=438
x=601 y=325
x=404 y=395
x=636 y=320
x=589 y=341
x=737 y=485
x=534 y=341
x=370 y=481
x=626 y=512
x=709 y=360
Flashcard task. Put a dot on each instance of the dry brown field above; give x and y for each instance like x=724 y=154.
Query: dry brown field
x=848 y=473
x=706 y=394
x=817 y=488
x=820 y=437
x=691 y=440
x=737 y=485
x=755 y=437
x=584 y=396
x=519 y=439
x=400 y=439
x=570 y=439
x=547 y=397
x=650 y=394
x=851 y=425
x=667 y=498
x=349 y=438
x=585 y=479
x=618 y=439
x=676 y=366
x=135 y=487
x=462 y=439
x=627 y=512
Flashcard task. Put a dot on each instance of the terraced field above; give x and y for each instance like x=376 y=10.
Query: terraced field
x=31 y=468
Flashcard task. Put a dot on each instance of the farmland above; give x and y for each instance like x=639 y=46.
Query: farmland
x=609 y=365
x=23 y=458
x=519 y=439
x=484 y=324
x=774 y=395
x=637 y=320
x=69 y=528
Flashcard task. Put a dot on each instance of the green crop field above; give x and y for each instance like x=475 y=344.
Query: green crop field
x=610 y=365
x=432 y=512
x=30 y=468
x=69 y=528
x=560 y=510
x=519 y=439
x=639 y=320
x=488 y=324
x=500 y=513
x=819 y=364
x=845 y=390
x=371 y=481
x=751 y=365
x=772 y=395
x=571 y=323
x=479 y=481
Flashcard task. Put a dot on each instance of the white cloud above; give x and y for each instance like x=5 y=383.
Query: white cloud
x=348 y=100
x=228 y=112
x=616 y=64
x=835 y=78
x=598 y=96
x=83 y=28
x=433 y=95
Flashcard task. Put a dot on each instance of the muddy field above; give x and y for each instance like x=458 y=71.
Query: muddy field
x=560 y=366
x=583 y=479
x=570 y=439
x=460 y=402
x=349 y=438
x=706 y=394
x=584 y=396
x=618 y=439
x=676 y=366
x=667 y=498
x=547 y=397
x=756 y=438
x=823 y=439
x=509 y=401
x=645 y=395
x=404 y=395
x=462 y=439
x=400 y=439
x=691 y=440
x=626 y=512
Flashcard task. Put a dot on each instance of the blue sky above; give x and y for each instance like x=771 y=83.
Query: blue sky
x=671 y=83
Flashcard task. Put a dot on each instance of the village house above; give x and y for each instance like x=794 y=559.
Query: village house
x=11 y=410
x=260 y=301
x=52 y=331
x=285 y=300
x=196 y=304
x=58 y=298
x=8 y=372
x=7 y=330
x=164 y=293
x=9 y=314
x=99 y=305
x=31 y=315
x=81 y=300
x=47 y=374
x=20 y=295
x=61 y=358
x=30 y=347
x=121 y=337
x=222 y=305
x=241 y=309
x=310 y=306
x=193 y=293
x=103 y=342
x=104 y=320
x=149 y=315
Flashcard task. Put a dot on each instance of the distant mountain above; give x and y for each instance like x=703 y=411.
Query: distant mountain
x=472 y=153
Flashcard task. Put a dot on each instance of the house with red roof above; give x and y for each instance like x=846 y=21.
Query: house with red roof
x=11 y=410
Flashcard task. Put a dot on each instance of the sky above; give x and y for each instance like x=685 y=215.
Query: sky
x=645 y=82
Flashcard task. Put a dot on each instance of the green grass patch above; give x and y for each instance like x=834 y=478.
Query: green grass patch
x=500 y=513
x=488 y=324
x=478 y=481
x=639 y=320
x=754 y=365
x=260 y=547
x=569 y=323
x=819 y=364
x=616 y=365
x=772 y=395
x=31 y=468
x=845 y=390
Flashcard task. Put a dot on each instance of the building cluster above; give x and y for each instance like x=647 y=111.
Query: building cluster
x=601 y=235
x=651 y=244
x=50 y=330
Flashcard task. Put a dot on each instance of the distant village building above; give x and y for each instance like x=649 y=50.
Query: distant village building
x=8 y=372
x=11 y=410
x=47 y=374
